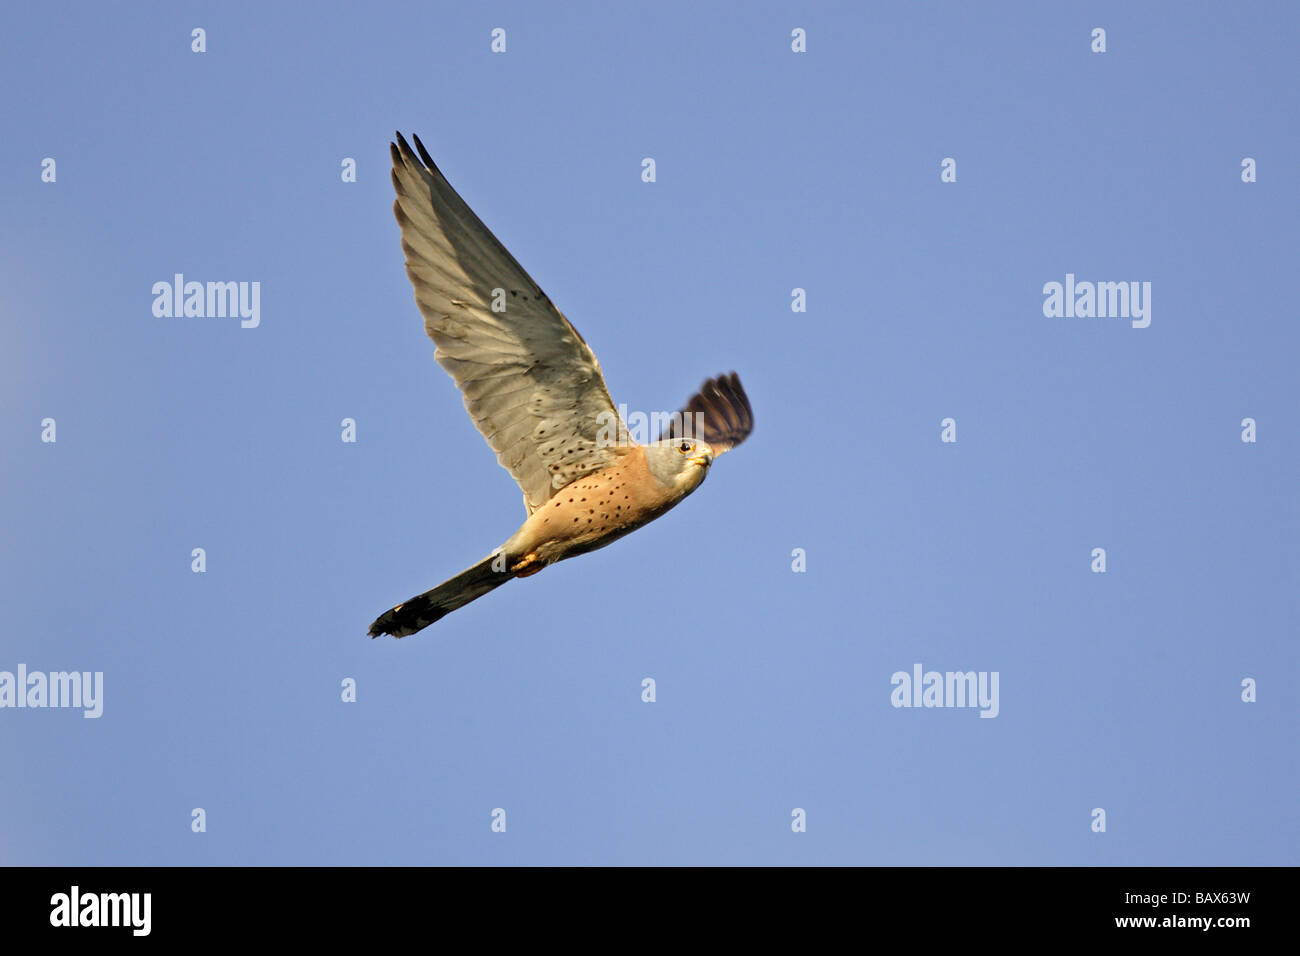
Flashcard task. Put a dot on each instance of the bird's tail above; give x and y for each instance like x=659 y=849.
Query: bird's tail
x=421 y=611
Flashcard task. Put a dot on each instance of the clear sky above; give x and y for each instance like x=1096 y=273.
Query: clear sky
x=775 y=171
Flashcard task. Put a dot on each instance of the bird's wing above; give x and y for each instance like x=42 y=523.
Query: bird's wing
x=718 y=413
x=530 y=382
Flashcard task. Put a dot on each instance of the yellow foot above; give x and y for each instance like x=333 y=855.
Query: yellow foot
x=527 y=565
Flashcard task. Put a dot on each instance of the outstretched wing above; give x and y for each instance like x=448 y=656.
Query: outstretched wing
x=530 y=382
x=718 y=413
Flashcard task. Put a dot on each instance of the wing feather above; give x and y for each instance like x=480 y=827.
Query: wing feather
x=530 y=382
x=719 y=413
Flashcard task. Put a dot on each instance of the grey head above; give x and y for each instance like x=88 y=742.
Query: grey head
x=681 y=463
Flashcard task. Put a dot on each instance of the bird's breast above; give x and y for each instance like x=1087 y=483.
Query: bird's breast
x=597 y=509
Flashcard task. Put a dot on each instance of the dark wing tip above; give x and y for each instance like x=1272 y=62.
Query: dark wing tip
x=424 y=154
x=419 y=157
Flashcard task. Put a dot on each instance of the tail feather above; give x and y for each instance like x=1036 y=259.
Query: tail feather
x=433 y=605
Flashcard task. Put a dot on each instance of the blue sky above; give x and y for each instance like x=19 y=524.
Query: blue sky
x=775 y=171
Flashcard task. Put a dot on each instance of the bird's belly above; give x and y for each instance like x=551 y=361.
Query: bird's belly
x=582 y=519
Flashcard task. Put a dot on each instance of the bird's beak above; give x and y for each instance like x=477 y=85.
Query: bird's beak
x=702 y=460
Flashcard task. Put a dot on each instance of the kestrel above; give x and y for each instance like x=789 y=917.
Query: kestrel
x=534 y=389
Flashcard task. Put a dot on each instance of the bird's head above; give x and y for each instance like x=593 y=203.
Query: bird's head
x=679 y=462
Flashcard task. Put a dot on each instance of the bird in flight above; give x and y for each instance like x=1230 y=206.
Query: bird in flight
x=535 y=390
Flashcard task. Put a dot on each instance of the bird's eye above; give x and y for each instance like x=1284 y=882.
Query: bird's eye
x=684 y=447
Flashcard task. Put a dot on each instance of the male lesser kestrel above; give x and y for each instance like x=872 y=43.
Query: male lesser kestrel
x=535 y=391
